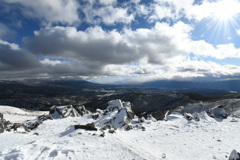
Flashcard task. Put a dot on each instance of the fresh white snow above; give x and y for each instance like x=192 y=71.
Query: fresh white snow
x=14 y=114
x=174 y=139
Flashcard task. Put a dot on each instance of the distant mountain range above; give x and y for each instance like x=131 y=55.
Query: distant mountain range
x=227 y=85
x=148 y=97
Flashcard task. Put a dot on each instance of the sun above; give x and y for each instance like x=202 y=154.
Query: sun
x=225 y=10
x=222 y=20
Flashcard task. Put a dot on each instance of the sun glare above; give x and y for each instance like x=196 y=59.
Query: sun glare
x=224 y=10
x=223 y=19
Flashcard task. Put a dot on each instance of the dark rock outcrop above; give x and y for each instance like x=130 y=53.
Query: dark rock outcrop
x=4 y=125
x=1 y=123
x=117 y=115
x=32 y=124
x=89 y=127
x=63 y=111
x=188 y=116
x=67 y=111
x=218 y=112
x=82 y=110
x=20 y=127
x=234 y=155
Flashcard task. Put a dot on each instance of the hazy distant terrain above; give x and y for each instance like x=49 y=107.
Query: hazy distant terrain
x=41 y=95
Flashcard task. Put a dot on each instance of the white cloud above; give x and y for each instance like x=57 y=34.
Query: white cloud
x=111 y=15
x=50 y=62
x=175 y=10
x=161 y=12
x=214 y=9
x=221 y=51
x=188 y=69
x=169 y=9
x=97 y=48
x=107 y=2
x=107 y=14
x=53 y=11
x=12 y=46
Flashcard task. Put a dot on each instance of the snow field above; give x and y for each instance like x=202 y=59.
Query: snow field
x=175 y=139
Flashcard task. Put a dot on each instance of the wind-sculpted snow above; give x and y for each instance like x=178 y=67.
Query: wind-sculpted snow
x=192 y=136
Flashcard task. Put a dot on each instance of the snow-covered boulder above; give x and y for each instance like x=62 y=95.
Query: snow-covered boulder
x=150 y=117
x=18 y=127
x=32 y=124
x=234 y=155
x=188 y=116
x=117 y=115
x=82 y=110
x=58 y=112
x=202 y=116
x=179 y=109
x=8 y=126
x=219 y=112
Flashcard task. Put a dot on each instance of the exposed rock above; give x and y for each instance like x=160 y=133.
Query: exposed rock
x=95 y=116
x=1 y=116
x=179 y=109
x=4 y=125
x=89 y=127
x=19 y=127
x=106 y=127
x=150 y=117
x=196 y=116
x=234 y=155
x=64 y=111
x=218 y=112
x=164 y=156
x=141 y=120
x=188 y=116
x=1 y=128
x=111 y=131
x=32 y=124
x=1 y=123
x=117 y=115
x=129 y=127
x=102 y=134
x=82 y=110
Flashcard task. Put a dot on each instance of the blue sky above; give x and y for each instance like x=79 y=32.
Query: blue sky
x=110 y=41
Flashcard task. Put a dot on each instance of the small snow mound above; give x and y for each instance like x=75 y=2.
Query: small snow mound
x=174 y=115
x=234 y=155
x=11 y=110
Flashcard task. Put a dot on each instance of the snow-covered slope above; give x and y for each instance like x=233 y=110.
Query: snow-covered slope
x=174 y=139
x=14 y=114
